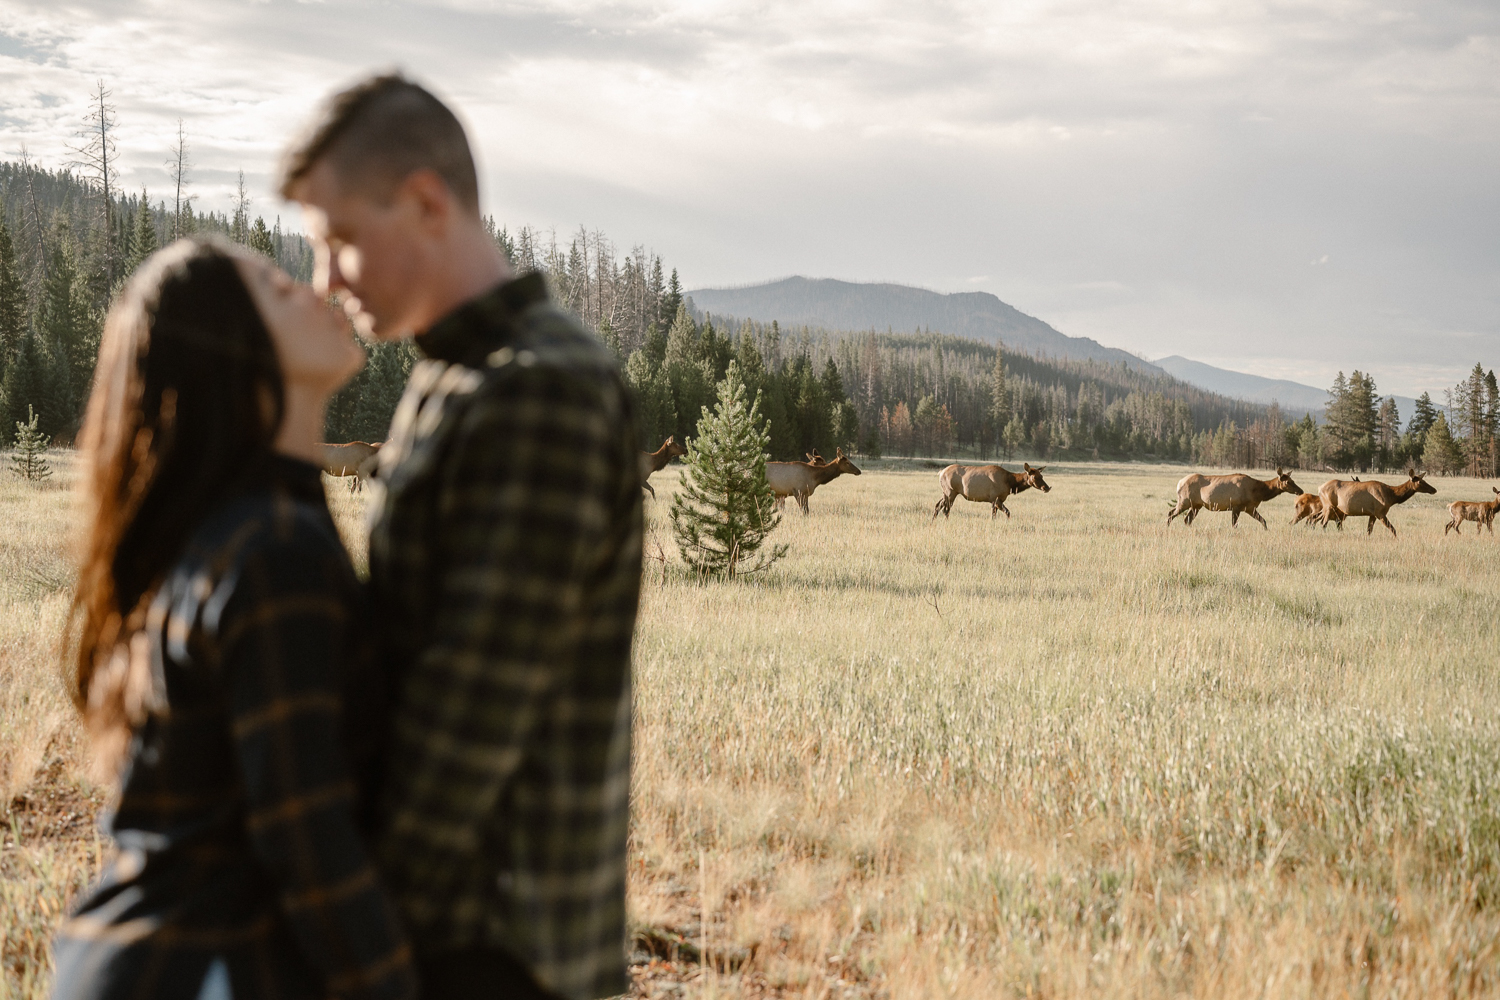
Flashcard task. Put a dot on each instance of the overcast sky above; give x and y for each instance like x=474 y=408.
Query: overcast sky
x=1283 y=188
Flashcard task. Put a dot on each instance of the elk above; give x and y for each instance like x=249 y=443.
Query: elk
x=1481 y=512
x=799 y=479
x=1310 y=509
x=1237 y=493
x=655 y=461
x=986 y=484
x=1372 y=500
x=357 y=459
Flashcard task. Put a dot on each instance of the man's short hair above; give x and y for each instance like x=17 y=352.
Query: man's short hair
x=377 y=132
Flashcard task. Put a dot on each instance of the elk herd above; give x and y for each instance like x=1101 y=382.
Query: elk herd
x=1237 y=494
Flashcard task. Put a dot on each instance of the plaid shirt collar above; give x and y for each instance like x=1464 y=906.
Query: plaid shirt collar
x=469 y=333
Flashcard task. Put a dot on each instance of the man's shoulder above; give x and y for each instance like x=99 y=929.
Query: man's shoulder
x=551 y=354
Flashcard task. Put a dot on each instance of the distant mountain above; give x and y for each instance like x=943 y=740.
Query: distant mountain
x=1294 y=397
x=847 y=305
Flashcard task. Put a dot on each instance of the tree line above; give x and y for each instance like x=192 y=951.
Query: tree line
x=65 y=252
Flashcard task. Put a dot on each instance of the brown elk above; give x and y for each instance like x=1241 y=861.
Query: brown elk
x=357 y=459
x=1310 y=509
x=1373 y=500
x=986 y=484
x=1237 y=493
x=1481 y=512
x=655 y=461
x=799 y=479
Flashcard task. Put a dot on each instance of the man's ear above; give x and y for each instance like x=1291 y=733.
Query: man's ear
x=429 y=197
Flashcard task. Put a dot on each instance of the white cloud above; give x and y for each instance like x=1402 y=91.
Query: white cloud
x=1191 y=152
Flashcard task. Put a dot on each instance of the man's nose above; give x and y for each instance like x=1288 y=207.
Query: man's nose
x=327 y=278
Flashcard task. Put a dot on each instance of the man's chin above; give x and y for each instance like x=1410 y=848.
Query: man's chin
x=374 y=331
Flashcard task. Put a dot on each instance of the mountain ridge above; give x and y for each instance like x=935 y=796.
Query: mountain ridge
x=834 y=304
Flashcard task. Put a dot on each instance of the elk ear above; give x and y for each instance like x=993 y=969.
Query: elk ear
x=839 y=452
x=1279 y=472
x=1027 y=466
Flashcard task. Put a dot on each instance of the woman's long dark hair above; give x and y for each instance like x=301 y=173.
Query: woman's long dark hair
x=187 y=398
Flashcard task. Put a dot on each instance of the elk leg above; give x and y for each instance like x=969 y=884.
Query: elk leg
x=1174 y=512
x=1262 y=520
x=1234 y=519
x=648 y=488
x=1386 y=521
x=802 y=502
x=1002 y=506
x=1449 y=527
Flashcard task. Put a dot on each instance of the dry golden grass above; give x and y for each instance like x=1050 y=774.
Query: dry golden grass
x=1071 y=754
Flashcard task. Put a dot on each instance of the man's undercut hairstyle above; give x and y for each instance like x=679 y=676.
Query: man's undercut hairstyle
x=376 y=133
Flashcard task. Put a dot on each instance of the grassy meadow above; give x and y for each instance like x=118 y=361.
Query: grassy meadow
x=1075 y=753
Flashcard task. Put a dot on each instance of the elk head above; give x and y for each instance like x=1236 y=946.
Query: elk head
x=845 y=466
x=1419 y=480
x=1284 y=482
x=674 y=450
x=1033 y=477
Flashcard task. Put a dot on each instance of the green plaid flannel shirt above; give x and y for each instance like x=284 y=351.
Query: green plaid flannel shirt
x=505 y=562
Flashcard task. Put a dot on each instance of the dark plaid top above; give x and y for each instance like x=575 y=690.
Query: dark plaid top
x=505 y=563
x=237 y=819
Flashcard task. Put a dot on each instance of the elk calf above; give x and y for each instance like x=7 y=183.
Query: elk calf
x=1310 y=509
x=1481 y=512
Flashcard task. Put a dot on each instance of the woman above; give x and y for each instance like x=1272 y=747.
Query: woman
x=222 y=666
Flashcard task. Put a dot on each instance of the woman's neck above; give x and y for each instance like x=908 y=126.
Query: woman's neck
x=301 y=432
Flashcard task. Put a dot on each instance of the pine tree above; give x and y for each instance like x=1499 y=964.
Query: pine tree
x=725 y=509
x=31 y=380
x=1441 y=453
x=239 y=226
x=1422 y=417
x=143 y=241
x=669 y=302
x=999 y=396
x=683 y=364
x=29 y=461
x=67 y=328
x=12 y=301
x=1389 y=430
x=260 y=239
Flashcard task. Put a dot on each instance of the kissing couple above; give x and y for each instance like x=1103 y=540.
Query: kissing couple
x=418 y=786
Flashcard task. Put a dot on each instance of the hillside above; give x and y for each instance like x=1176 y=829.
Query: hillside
x=847 y=305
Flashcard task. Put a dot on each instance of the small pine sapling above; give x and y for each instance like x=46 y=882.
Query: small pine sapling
x=725 y=509
x=29 y=460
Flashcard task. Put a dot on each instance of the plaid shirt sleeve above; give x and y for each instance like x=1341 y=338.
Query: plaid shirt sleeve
x=280 y=637
x=512 y=757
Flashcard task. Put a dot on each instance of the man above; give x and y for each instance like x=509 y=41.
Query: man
x=505 y=555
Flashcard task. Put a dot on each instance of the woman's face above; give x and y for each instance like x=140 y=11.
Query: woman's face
x=313 y=343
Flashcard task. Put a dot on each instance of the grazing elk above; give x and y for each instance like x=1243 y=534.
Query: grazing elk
x=1481 y=512
x=1351 y=498
x=655 y=461
x=1237 y=493
x=357 y=459
x=1310 y=509
x=986 y=484
x=799 y=479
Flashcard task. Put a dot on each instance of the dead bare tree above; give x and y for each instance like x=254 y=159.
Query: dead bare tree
x=179 y=164
x=240 y=227
x=36 y=213
x=96 y=152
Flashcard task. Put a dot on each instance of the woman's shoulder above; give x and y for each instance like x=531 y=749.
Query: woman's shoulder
x=264 y=539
